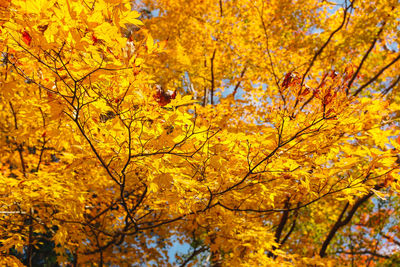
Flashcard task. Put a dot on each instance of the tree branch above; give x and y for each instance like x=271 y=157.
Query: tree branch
x=364 y=252
x=212 y=78
x=282 y=223
x=365 y=57
x=340 y=223
x=321 y=49
x=291 y=228
x=194 y=254
x=376 y=76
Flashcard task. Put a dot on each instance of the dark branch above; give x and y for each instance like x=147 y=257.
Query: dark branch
x=365 y=58
x=212 y=78
x=291 y=228
x=376 y=76
x=321 y=49
x=340 y=223
x=365 y=252
x=282 y=224
x=194 y=254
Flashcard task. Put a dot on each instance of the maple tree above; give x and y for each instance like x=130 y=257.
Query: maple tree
x=258 y=133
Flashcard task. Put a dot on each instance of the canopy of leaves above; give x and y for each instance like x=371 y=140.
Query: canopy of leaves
x=259 y=133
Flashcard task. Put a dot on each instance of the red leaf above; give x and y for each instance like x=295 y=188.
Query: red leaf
x=287 y=80
x=94 y=39
x=26 y=38
x=163 y=97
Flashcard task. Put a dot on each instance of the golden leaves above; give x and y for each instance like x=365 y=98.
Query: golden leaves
x=107 y=134
x=11 y=261
x=131 y=17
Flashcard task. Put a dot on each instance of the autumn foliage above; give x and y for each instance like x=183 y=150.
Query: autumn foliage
x=255 y=133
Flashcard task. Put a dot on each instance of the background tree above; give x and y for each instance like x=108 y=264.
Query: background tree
x=260 y=134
